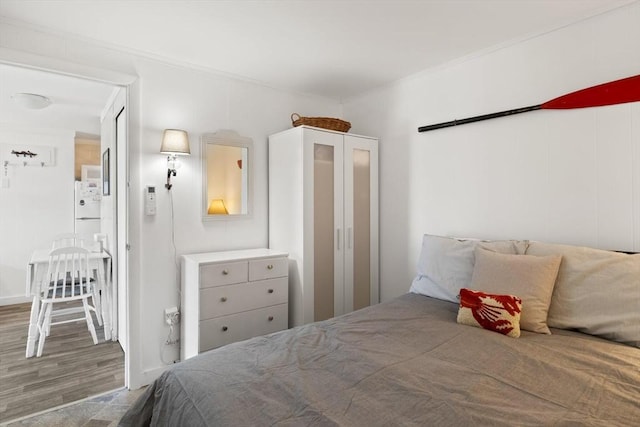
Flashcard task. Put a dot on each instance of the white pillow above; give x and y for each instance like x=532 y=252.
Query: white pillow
x=597 y=292
x=446 y=264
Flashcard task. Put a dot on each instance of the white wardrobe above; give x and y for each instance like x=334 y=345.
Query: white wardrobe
x=323 y=211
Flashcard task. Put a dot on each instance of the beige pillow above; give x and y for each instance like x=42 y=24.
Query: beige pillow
x=530 y=277
x=597 y=292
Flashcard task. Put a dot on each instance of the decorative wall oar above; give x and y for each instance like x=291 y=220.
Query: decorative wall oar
x=616 y=92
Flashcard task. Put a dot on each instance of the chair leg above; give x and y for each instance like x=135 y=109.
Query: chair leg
x=47 y=319
x=87 y=313
x=34 y=332
x=44 y=320
x=96 y=296
x=97 y=305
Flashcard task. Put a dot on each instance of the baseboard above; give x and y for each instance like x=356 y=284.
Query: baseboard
x=14 y=300
x=146 y=377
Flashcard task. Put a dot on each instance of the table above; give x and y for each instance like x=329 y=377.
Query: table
x=99 y=262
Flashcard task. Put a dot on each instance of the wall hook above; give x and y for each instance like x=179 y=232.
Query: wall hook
x=24 y=153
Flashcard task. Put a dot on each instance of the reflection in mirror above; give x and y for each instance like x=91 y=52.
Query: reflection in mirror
x=226 y=171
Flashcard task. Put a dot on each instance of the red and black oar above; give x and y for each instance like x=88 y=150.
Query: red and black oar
x=616 y=92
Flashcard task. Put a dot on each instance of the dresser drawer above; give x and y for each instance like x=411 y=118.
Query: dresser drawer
x=223 y=300
x=260 y=269
x=237 y=327
x=223 y=274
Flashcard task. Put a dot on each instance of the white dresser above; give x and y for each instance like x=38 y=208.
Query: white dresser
x=232 y=296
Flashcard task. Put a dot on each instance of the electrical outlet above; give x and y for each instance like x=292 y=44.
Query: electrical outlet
x=172 y=316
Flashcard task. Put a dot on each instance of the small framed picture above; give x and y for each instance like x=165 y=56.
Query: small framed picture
x=106 y=182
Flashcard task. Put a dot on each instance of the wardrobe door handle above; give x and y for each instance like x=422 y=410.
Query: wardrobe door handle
x=225 y=272
x=270 y=291
x=223 y=299
x=270 y=318
x=225 y=329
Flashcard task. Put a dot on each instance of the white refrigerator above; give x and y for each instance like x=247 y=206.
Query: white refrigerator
x=87 y=210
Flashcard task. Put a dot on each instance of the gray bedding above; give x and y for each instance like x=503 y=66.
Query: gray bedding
x=404 y=362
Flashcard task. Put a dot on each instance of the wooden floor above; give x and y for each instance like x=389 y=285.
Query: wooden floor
x=71 y=367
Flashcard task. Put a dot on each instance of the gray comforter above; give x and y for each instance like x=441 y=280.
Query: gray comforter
x=405 y=362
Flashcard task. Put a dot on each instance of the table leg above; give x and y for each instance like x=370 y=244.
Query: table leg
x=33 y=327
x=97 y=297
x=113 y=303
x=30 y=277
x=106 y=295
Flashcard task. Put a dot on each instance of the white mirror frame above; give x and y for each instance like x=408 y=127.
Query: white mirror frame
x=228 y=138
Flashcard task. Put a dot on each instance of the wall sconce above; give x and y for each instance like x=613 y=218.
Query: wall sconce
x=217 y=207
x=175 y=142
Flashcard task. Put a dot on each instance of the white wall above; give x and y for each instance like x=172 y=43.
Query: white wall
x=166 y=96
x=199 y=102
x=568 y=176
x=36 y=205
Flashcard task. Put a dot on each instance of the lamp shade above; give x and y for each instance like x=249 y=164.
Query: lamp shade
x=217 y=207
x=175 y=141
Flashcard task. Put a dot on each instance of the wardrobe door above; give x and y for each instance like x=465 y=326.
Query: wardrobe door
x=361 y=222
x=327 y=223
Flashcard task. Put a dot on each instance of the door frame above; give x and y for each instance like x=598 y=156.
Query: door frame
x=125 y=81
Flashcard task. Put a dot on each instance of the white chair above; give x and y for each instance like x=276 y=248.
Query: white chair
x=68 y=278
x=73 y=239
x=67 y=239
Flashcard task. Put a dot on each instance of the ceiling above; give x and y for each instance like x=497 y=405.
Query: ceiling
x=336 y=49
x=76 y=103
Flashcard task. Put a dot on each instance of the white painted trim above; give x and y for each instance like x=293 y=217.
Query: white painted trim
x=14 y=300
x=109 y=104
x=150 y=375
x=45 y=63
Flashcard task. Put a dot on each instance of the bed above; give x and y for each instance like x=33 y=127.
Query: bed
x=405 y=362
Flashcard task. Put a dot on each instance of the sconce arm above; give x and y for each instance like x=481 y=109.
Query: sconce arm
x=170 y=172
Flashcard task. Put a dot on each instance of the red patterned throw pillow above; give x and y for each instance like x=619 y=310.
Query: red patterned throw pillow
x=499 y=313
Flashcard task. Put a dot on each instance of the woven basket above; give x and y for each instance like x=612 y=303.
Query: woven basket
x=321 y=122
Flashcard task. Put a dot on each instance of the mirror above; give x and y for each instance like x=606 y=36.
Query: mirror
x=226 y=172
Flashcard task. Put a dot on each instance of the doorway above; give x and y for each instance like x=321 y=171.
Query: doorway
x=31 y=191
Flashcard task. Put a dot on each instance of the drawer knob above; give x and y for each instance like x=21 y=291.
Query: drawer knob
x=270 y=267
x=270 y=291
x=225 y=271
x=223 y=299
x=270 y=318
x=224 y=328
